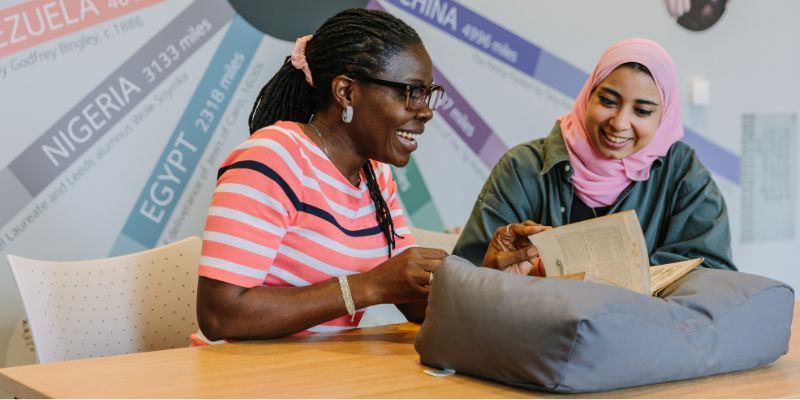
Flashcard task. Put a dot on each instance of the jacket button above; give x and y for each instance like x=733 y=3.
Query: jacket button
x=566 y=168
x=563 y=210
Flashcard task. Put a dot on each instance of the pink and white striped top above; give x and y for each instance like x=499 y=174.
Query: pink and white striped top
x=283 y=215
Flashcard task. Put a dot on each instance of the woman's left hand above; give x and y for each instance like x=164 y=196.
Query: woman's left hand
x=510 y=249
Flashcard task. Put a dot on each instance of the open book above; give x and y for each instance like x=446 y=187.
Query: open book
x=608 y=249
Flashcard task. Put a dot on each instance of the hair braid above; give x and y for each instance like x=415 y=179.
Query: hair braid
x=354 y=41
x=290 y=86
x=382 y=212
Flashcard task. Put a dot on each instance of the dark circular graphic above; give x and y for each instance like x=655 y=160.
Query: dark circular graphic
x=703 y=14
x=289 y=20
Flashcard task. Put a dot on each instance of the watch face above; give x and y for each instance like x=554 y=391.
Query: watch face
x=702 y=14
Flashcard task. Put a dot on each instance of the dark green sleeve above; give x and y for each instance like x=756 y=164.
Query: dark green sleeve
x=698 y=222
x=502 y=201
x=478 y=231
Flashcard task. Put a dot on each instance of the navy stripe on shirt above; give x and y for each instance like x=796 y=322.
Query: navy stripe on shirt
x=298 y=205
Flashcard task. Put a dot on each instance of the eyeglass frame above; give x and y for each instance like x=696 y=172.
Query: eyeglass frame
x=409 y=87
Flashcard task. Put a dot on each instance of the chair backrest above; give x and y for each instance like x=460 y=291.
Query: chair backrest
x=437 y=240
x=137 y=302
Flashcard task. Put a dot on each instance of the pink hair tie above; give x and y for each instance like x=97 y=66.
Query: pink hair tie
x=299 y=57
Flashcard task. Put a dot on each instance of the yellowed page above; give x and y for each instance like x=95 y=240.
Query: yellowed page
x=610 y=248
x=583 y=276
x=662 y=276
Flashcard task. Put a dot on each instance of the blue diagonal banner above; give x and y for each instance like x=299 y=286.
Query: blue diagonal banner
x=188 y=141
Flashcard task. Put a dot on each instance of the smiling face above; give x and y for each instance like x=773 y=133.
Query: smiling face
x=623 y=113
x=383 y=129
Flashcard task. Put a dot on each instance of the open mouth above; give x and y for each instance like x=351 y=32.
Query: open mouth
x=408 y=135
x=615 y=140
x=408 y=140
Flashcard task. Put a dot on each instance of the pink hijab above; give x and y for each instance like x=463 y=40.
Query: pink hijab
x=599 y=180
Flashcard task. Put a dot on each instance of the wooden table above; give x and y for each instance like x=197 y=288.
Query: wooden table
x=372 y=362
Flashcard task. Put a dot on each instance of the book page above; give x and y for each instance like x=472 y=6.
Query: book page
x=662 y=276
x=610 y=248
x=583 y=276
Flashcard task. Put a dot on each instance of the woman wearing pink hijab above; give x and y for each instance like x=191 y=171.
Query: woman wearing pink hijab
x=618 y=149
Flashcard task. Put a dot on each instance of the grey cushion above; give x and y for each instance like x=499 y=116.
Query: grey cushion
x=573 y=336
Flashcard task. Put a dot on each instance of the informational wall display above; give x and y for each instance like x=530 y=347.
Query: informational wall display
x=115 y=115
x=769 y=177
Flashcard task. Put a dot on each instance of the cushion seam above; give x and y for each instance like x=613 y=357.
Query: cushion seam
x=571 y=352
x=578 y=333
x=739 y=304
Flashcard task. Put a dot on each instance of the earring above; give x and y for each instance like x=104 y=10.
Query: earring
x=347 y=115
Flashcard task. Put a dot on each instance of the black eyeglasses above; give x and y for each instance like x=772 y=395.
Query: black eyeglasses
x=416 y=95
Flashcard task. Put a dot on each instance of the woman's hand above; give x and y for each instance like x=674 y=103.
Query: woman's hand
x=511 y=251
x=406 y=277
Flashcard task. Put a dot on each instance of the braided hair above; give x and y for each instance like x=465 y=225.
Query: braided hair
x=355 y=42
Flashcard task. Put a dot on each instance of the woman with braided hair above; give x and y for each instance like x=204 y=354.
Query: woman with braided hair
x=305 y=228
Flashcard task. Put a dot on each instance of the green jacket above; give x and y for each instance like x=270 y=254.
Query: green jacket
x=682 y=212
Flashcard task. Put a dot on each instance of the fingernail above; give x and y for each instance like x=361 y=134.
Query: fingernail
x=532 y=252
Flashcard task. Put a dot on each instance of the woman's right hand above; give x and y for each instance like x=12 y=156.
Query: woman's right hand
x=407 y=276
x=511 y=250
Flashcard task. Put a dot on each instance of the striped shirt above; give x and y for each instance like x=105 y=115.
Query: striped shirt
x=283 y=215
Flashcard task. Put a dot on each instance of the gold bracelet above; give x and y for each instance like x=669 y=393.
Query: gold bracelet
x=348 y=298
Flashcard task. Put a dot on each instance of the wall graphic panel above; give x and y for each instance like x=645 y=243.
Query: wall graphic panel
x=115 y=117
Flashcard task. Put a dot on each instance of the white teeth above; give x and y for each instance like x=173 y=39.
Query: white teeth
x=408 y=135
x=616 y=139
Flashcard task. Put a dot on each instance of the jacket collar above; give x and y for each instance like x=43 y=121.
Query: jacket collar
x=555 y=151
